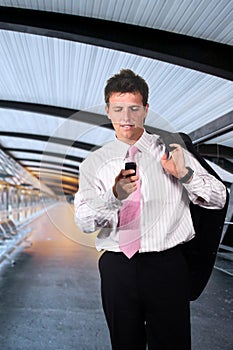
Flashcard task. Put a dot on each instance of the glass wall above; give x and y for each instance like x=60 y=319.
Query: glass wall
x=21 y=194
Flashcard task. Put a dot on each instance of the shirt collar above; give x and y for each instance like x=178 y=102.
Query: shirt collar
x=120 y=147
x=144 y=144
x=148 y=142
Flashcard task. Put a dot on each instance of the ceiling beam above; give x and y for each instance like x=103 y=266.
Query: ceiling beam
x=45 y=138
x=58 y=179
x=215 y=150
x=45 y=153
x=60 y=182
x=29 y=160
x=63 y=190
x=79 y=116
x=217 y=127
x=38 y=170
x=51 y=183
x=53 y=111
x=199 y=54
x=38 y=108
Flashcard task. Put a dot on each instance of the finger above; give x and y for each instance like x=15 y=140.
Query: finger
x=127 y=183
x=174 y=145
x=134 y=178
x=126 y=173
x=132 y=187
x=121 y=175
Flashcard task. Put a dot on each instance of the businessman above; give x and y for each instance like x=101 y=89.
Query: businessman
x=144 y=221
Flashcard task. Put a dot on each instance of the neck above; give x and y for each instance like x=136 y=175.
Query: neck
x=130 y=141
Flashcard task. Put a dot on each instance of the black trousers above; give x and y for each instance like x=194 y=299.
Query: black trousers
x=145 y=300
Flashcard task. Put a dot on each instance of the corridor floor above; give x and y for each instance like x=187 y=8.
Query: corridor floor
x=50 y=299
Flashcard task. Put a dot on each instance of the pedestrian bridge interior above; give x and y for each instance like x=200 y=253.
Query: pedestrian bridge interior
x=55 y=59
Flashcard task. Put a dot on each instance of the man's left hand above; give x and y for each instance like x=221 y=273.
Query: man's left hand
x=175 y=165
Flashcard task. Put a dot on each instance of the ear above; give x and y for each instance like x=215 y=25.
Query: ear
x=107 y=111
x=146 y=110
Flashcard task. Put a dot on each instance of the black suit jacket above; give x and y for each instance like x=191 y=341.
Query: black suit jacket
x=201 y=251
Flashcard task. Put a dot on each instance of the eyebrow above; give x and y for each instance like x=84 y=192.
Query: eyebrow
x=124 y=105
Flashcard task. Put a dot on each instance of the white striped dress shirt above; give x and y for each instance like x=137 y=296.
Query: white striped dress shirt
x=165 y=216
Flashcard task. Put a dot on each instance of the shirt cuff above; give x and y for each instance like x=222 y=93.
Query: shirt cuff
x=197 y=187
x=113 y=202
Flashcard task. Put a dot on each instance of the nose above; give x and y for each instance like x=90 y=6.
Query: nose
x=126 y=115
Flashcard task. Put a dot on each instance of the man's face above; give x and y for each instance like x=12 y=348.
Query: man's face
x=127 y=114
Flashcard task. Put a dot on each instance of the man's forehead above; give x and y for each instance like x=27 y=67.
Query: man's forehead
x=126 y=97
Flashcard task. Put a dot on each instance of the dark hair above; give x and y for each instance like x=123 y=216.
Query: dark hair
x=126 y=81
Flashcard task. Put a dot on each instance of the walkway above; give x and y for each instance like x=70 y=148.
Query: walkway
x=50 y=299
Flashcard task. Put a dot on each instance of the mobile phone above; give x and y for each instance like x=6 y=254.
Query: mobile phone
x=130 y=165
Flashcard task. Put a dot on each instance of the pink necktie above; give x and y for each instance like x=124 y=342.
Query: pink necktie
x=129 y=218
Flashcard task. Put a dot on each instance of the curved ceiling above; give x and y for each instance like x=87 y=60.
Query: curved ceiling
x=55 y=58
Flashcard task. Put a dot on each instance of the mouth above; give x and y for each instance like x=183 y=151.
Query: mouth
x=127 y=126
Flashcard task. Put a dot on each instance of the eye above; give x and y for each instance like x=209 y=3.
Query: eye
x=135 y=108
x=117 y=109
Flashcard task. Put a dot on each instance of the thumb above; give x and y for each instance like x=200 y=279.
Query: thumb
x=119 y=176
x=164 y=157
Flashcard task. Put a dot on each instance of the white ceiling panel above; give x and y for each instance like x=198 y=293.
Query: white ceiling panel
x=11 y=142
x=64 y=74
x=211 y=20
x=73 y=75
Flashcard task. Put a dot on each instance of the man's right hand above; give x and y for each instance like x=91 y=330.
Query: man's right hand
x=124 y=185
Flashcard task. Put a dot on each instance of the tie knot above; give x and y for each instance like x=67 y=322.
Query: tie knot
x=132 y=151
